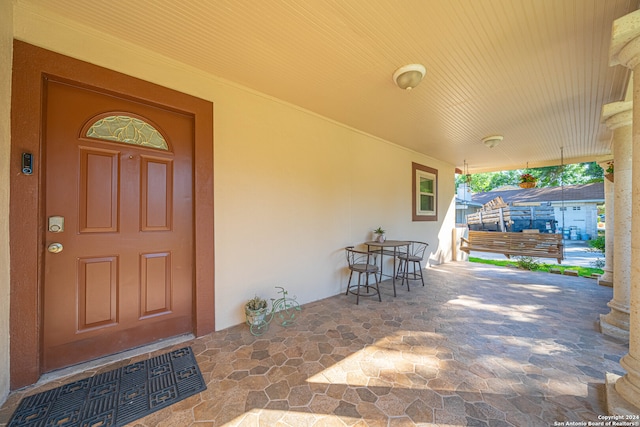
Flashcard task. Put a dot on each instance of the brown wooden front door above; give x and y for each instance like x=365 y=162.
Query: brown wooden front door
x=119 y=182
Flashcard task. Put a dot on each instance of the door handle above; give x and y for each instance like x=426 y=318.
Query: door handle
x=55 y=248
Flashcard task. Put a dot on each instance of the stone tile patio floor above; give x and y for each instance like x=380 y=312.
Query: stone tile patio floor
x=478 y=345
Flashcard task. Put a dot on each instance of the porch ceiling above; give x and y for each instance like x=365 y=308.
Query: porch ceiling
x=535 y=71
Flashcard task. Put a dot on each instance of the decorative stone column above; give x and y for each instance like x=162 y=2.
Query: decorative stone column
x=619 y=116
x=624 y=398
x=607 y=278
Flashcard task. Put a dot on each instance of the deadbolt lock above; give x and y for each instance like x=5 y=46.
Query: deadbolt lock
x=56 y=224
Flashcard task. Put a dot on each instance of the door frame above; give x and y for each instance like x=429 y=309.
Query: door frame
x=31 y=66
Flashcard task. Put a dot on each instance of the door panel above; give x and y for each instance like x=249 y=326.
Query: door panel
x=156 y=194
x=125 y=275
x=97 y=292
x=155 y=284
x=98 y=207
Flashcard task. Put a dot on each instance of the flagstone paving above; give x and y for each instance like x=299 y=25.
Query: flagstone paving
x=478 y=345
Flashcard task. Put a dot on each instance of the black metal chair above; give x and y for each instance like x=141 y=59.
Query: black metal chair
x=362 y=262
x=414 y=255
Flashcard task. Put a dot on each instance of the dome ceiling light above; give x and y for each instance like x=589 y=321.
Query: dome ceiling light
x=409 y=76
x=492 y=141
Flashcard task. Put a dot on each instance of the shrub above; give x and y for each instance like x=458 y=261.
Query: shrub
x=597 y=244
x=528 y=263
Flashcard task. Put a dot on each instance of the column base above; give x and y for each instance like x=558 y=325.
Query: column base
x=616 y=404
x=628 y=387
x=604 y=282
x=606 y=279
x=615 y=323
x=611 y=330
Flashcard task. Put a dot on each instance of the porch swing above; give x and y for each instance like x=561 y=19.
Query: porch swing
x=538 y=245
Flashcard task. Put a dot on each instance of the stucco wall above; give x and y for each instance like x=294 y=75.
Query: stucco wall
x=291 y=188
x=6 y=29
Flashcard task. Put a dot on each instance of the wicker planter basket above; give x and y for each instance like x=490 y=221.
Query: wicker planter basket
x=609 y=176
x=527 y=184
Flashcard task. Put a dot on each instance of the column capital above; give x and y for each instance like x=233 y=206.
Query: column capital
x=617 y=114
x=625 y=42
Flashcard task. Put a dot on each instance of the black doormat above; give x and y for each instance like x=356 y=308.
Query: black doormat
x=117 y=397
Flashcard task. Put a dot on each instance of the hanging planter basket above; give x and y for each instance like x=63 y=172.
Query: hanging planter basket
x=609 y=176
x=527 y=184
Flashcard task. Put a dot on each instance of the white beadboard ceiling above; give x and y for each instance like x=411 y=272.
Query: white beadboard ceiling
x=535 y=71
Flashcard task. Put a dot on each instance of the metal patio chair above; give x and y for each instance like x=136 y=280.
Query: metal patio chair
x=415 y=255
x=362 y=262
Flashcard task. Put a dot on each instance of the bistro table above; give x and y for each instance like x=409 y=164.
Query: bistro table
x=390 y=248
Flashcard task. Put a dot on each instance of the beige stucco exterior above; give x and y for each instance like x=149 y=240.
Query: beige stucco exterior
x=291 y=188
x=6 y=29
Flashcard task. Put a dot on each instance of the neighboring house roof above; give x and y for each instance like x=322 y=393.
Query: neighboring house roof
x=469 y=203
x=585 y=192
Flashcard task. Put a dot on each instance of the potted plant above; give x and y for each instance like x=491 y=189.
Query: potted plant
x=255 y=310
x=608 y=173
x=527 y=180
x=379 y=232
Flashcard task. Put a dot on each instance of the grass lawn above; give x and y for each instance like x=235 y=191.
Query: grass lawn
x=582 y=271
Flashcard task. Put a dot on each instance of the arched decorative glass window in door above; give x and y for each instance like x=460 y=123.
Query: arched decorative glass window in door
x=126 y=129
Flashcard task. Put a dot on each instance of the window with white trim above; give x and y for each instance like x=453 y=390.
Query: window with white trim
x=425 y=197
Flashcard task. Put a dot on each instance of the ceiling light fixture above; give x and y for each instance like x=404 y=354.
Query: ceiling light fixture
x=409 y=76
x=492 y=141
